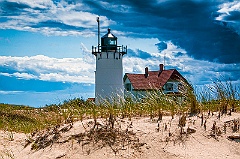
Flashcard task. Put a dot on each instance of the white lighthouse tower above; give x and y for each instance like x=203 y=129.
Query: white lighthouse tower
x=109 y=69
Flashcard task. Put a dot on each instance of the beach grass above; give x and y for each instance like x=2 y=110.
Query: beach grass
x=222 y=97
x=26 y=119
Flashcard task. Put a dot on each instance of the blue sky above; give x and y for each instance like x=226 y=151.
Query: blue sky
x=45 y=45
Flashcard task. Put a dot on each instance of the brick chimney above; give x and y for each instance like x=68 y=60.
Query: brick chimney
x=146 y=72
x=161 y=67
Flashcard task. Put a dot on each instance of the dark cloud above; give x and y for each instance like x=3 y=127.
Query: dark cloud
x=138 y=53
x=12 y=8
x=178 y=54
x=16 y=8
x=189 y=24
x=233 y=16
x=228 y=72
x=56 y=24
x=161 y=46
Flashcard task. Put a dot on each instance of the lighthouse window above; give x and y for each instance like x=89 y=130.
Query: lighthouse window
x=111 y=42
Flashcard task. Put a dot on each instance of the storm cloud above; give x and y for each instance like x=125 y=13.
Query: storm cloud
x=207 y=30
x=193 y=25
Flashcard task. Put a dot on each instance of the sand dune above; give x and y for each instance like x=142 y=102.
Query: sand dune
x=145 y=139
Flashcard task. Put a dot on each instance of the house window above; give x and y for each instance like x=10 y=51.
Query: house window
x=169 y=86
x=128 y=87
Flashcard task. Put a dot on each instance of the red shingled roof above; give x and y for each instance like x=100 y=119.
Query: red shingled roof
x=154 y=80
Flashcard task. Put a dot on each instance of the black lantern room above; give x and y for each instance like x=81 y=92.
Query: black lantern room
x=109 y=42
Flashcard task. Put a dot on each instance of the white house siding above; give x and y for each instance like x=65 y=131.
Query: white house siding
x=141 y=94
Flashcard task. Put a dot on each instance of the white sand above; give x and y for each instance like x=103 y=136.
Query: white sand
x=198 y=145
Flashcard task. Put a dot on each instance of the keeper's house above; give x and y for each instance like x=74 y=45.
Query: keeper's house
x=168 y=81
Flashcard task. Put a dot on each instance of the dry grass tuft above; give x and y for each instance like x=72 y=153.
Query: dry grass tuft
x=97 y=137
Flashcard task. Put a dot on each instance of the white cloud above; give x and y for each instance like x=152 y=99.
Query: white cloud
x=43 y=4
x=80 y=19
x=10 y=92
x=80 y=70
x=24 y=75
x=59 y=13
x=229 y=7
x=116 y=8
x=67 y=78
x=5 y=74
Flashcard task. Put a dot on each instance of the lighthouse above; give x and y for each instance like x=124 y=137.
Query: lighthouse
x=109 y=69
